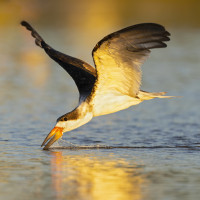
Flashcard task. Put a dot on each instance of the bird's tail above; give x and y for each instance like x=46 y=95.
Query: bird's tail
x=38 y=39
x=151 y=95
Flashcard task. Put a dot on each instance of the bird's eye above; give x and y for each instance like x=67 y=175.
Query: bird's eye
x=62 y=119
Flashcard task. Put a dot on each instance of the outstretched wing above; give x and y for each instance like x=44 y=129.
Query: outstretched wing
x=118 y=58
x=82 y=73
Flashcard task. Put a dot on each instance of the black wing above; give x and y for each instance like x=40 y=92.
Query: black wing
x=82 y=73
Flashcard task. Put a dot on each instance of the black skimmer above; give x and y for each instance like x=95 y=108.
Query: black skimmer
x=115 y=82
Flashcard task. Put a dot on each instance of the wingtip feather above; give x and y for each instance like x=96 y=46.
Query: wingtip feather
x=38 y=39
x=23 y=23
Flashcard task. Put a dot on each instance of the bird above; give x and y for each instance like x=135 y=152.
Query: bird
x=114 y=83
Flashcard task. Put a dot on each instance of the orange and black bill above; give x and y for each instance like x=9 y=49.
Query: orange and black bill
x=53 y=136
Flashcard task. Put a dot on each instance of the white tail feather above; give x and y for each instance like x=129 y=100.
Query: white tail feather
x=151 y=95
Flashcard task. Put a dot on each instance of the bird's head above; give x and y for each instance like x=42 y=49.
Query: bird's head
x=67 y=123
x=64 y=126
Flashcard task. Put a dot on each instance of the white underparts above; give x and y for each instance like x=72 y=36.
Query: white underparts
x=110 y=103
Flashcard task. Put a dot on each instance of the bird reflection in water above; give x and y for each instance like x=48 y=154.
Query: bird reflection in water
x=90 y=177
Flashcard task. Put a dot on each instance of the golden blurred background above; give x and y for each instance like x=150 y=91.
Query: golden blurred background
x=84 y=22
x=94 y=14
x=90 y=20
